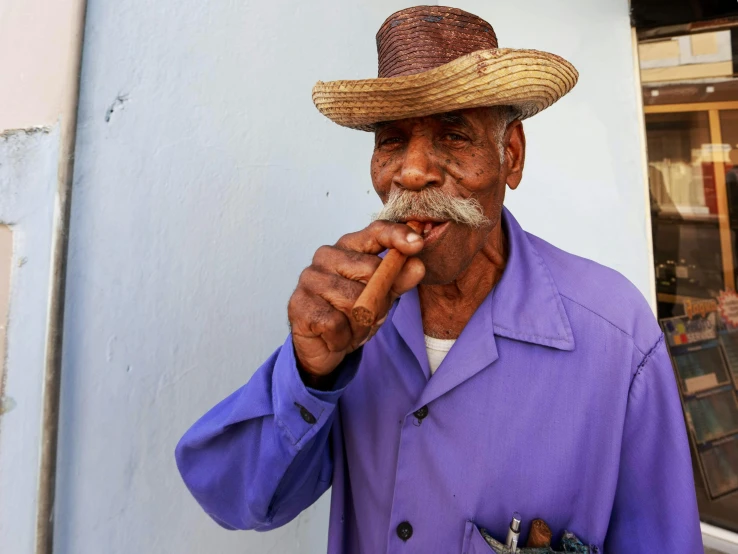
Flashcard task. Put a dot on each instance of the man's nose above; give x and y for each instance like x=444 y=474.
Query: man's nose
x=419 y=166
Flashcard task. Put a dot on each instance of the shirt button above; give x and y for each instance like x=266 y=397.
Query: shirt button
x=420 y=413
x=307 y=416
x=404 y=530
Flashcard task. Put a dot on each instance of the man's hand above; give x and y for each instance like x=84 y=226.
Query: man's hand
x=323 y=332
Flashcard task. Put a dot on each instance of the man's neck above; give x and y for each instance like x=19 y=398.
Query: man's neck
x=446 y=309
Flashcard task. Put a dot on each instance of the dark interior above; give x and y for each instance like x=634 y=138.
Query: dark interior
x=647 y=14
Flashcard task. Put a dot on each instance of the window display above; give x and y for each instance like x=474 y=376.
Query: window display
x=692 y=138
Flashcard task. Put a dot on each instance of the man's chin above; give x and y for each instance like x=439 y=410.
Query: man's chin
x=431 y=281
x=438 y=276
x=436 y=267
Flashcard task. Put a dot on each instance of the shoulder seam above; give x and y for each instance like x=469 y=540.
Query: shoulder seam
x=590 y=310
x=647 y=356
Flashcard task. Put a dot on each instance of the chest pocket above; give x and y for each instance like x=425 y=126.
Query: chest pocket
x=475 y=542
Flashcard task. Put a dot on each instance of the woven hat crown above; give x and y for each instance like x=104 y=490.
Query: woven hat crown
x=424 y=37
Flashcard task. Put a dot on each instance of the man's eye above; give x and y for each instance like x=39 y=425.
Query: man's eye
x=454 y=136
x=389 y=141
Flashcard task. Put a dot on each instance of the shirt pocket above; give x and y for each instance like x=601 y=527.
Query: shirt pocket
x=474 y=542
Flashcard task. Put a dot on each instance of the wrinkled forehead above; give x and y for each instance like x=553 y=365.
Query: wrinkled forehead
x=461 y=118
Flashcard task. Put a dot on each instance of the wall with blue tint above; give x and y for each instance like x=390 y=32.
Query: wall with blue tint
x=29 y=160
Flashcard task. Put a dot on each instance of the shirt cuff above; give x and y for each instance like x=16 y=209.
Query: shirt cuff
x=301 y=411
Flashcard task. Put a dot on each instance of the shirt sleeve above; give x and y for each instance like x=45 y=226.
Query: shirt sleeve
x=262 y=455
x=655 y=508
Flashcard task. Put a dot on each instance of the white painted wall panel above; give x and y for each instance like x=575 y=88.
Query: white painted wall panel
x=28 y=169
x=6 y=264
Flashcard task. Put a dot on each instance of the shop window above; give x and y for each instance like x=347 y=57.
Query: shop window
x=691 y=122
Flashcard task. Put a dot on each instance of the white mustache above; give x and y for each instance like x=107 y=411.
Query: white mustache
x=404 y=205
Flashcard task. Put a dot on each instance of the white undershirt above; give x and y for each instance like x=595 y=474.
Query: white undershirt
x=437 y=350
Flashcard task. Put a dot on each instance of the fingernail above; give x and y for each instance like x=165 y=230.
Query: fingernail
x=412 y=237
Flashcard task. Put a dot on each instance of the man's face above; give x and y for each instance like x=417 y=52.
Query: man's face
x=458 y=153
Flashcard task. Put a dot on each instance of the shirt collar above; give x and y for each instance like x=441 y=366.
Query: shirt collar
x=526 y=304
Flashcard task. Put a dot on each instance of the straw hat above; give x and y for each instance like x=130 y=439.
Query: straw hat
x=434 y=59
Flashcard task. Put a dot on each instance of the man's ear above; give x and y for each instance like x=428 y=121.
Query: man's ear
x=514 y=153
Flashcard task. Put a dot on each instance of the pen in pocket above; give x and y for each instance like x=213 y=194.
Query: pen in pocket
x=513 y=534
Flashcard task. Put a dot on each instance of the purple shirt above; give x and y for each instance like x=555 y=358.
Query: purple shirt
x=557 y=401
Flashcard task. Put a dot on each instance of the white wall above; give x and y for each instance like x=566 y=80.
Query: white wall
x=37 y=56
x=6 y=264
x=28 y=169
x=205 y=179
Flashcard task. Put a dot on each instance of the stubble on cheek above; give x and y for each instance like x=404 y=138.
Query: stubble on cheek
x=380 y=182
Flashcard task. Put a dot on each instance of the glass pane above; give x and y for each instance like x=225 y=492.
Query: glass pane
x=721 y=467
x=729 y=342
x=694 y=207
x=682 y=184
x=713 y=416
x=701 y=369
x=684 y=207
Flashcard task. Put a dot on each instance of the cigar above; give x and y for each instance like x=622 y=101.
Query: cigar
x=370 y=301
x=540 y=534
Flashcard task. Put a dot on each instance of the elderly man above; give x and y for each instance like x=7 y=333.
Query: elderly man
x=503 y=375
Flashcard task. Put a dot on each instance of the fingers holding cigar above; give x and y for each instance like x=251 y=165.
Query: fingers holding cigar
x=320 y=310
x=374 y=299
x=383 y=235
x=342 y=275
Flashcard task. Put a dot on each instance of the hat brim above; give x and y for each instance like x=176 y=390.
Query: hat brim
x=529 y=80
